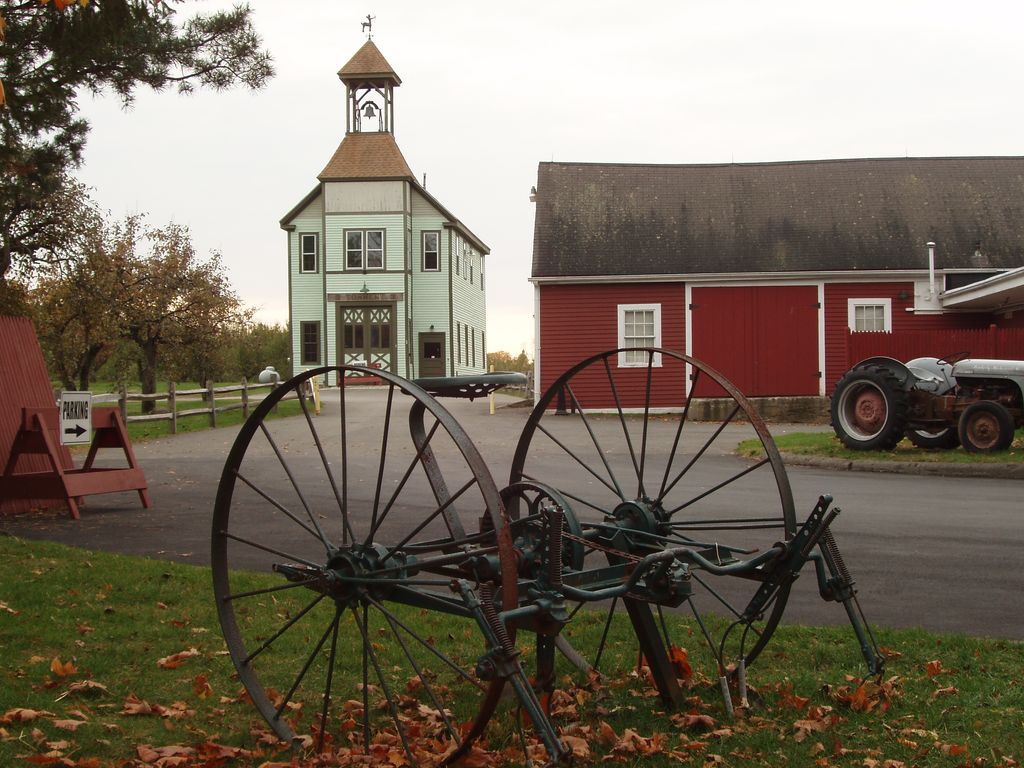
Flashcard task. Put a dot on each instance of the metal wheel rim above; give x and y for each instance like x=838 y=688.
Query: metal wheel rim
x=222 y=570
x=774 y=460
x=850 y=413
x=983 y=430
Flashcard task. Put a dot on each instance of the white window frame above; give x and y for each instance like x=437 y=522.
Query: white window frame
x=621 y=311
x=364 y=249
x=853 y=304
x=303 y=253
x=436 y=251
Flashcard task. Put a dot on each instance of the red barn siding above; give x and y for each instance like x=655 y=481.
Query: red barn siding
x=578 y=321
x=837 y=321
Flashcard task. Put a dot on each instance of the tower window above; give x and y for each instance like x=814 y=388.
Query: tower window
x=364 y=249
x=431 y=251
x=308 y=252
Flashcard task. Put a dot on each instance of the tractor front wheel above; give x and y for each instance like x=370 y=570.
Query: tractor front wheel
x=869 y=409
x=985 y=426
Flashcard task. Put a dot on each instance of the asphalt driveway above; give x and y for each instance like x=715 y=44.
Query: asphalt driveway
x=921 y=557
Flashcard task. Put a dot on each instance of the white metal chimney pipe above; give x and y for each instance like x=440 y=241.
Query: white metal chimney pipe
x=931 y=268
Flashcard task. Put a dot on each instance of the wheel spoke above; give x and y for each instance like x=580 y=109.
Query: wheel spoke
x=305 y=667
x=392 y=708
x=715 y=652
x=614 y=489
x=366 y=680
x=326 y=465
x=679 y=434
x=348 y=536
x=622 y=418
x=641 y=491
x=697 y=456
x=597 y=445
x=604 y=634
x=401 y=484
x=301 y=523
x=568 y=495
x=288 y=625
x=330 y=679
x=271 y=550
x=295 y=485
x=268 y=590
x=432 y=516
x=718 y=487
x=423 y=680
x=383 y=456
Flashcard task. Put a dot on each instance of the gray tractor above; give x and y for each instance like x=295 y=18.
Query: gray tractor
x=936 y=402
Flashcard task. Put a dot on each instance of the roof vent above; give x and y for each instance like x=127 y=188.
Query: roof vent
x=979 y=259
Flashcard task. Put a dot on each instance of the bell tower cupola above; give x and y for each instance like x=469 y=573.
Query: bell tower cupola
x=370 y=84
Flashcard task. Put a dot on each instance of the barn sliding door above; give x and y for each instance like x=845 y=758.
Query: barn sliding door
x=765 y=340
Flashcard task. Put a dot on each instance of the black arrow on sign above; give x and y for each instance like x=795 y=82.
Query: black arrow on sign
x=77 y=431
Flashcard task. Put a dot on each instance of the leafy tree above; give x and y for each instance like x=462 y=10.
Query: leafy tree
x=259 y=345
x=73 y=301
x=51 y=53
x=504 y=361
x=171 y=299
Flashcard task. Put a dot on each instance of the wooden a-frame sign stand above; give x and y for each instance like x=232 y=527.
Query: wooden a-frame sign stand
x=37 y=436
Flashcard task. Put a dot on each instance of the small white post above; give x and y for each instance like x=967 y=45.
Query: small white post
x=490 y=397
x=931 y=269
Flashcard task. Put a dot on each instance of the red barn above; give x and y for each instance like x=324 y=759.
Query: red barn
x=780 y=275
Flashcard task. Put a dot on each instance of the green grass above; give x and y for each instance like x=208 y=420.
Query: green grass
x=827 y=445
x=946 y=701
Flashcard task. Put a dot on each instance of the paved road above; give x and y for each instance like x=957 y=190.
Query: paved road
x=942 y=553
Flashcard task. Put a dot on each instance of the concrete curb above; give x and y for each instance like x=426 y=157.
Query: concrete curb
x=940 y=469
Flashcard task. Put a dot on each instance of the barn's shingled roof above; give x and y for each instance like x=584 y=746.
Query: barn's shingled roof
x=367 y=156
x=873 y=214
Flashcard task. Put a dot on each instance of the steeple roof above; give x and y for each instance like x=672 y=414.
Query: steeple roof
x=372 y=155
x=368 y=64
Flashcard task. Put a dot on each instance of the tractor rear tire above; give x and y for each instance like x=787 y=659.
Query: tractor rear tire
x=985 y=427
x=869 y=409
x=943 y=438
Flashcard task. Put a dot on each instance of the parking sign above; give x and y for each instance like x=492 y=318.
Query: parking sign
x=75 y=418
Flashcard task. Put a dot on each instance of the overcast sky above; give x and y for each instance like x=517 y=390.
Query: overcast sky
x=487 y=94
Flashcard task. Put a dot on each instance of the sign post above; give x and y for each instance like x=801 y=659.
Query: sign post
x=75 y=418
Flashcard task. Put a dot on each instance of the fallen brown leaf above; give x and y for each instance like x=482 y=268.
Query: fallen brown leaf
x=69 y=725
x=175 y=660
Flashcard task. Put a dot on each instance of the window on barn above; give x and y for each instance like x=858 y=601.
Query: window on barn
x=639 y=326
x=364 y=249
x=431 y=251
x=309 y=340
x=870 y=315
x=308 y=250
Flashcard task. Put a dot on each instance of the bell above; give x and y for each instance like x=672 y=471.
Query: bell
x=369 y=110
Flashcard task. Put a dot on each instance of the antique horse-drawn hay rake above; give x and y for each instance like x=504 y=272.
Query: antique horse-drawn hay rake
x=403 y=573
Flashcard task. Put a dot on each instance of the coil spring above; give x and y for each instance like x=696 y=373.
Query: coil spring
x=555 y=518
x=828 y=543
x=486 y=593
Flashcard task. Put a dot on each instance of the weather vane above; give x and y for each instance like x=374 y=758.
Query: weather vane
x=368 y=26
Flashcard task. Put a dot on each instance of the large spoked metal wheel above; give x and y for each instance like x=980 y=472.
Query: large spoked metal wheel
x=338 y=540
x=641 y=474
